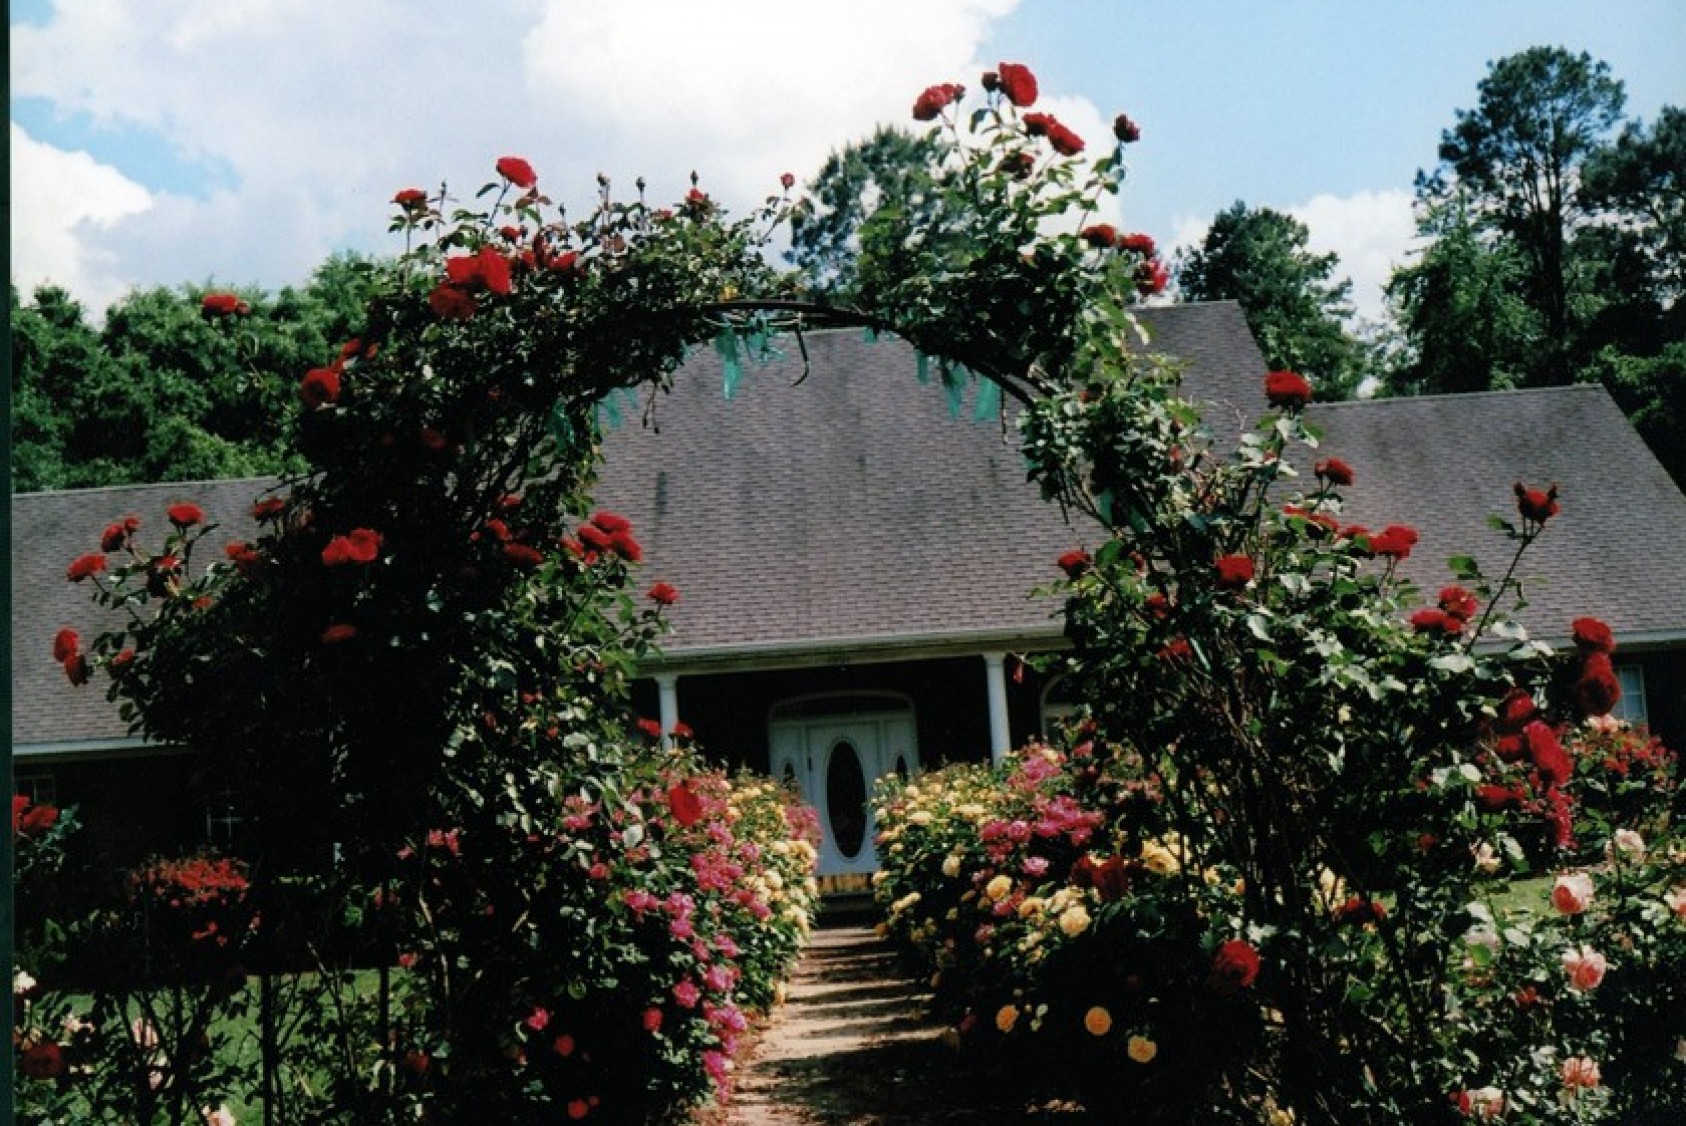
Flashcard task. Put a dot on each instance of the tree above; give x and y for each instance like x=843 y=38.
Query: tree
x=1641 y=179
x=159 y=392
x=1465 y=327
x=1258 y=257
x=1519 y=157
x=889 y=170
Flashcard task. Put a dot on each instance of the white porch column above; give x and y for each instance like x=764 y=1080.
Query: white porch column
x=995 y=675
x=667 y=688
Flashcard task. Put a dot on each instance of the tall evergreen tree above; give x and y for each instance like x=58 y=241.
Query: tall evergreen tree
x=1258 y=257
x=1518 y=159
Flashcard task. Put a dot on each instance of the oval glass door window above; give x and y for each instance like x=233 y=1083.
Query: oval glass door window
x=845 y=799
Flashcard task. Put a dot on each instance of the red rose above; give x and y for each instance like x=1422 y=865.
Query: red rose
x=1127 y=131
x=1236 y=964
x=1548 y=755
x=1017 y=82
x=663 y=594
x=65 y=643
x=115 y=537
x=650 y=727
x=37 y=819
x=83 y=566
x=1075 y=563
x=1152 y=277
x=1111 y=879
x=451 y=303
x=1430 y=619
x=76 y=669
x=1593 y=636
x=787 y=181
x=42 y=1061
x=268 y=509
x=120 y=663
x=1234 y=571
x=1140 y=243
x=319 y=387
x=185 y=515
x=1357 y=911
x=360 y=545
x=1517 y=709
x=1287 y=389
x=1596 y=689
x=935 y=99
x=223 y=305
x=522 y=555
x=611 y=523
x=1394 y=541
x=517 y=171
x=1536 y=506
x=685 y=805
x=1458 y=603
x=595 y=538
x=494 y=271
x=337 y=633
x=1100 y=235
x=626 y=547
x=1065 y=142
x=1335 y=471
x=410 y=199
x=246 y=559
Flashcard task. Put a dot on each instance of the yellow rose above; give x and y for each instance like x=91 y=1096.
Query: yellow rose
x=1030 y=907
x=951 y=866
x=1159 y=859
x=1098 y=1021
x=999 y=888
x=1074 y=921
x=1141 y=1049
x=1006 y=1017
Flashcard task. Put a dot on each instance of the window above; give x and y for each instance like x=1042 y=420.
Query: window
x=39 y=786
x=224 y=819
x=1631 y=707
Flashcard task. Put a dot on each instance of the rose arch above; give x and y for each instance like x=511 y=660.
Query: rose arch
x=423 y=656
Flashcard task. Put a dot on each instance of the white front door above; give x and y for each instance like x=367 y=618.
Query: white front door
x=834 y=762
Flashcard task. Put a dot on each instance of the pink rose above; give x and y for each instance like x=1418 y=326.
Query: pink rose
x=1586 y=968
x=1572 y=892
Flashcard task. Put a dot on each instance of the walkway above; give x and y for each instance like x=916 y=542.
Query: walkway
x=852 y=1045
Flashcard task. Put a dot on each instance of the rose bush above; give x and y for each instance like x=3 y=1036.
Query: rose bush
x=431 y=637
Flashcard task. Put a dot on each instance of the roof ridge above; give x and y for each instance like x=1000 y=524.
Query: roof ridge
x=88 y=490
x=1464 y=396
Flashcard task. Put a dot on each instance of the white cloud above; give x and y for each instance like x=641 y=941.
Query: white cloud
x=58 y=200
x=315 y=111
x=1370 y=231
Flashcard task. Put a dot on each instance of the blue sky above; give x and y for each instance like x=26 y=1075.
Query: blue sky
x=200 y=140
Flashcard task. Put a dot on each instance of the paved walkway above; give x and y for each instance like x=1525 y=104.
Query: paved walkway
x=852 y=1045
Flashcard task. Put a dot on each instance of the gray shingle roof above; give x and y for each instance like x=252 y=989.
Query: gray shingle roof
x=48 y=531
x=853 y=512
x=1445 y=463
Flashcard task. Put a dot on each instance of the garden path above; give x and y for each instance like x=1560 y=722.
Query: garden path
x=853 y=1044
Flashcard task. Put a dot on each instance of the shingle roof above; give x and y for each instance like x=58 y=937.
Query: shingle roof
x=1445 y=463
x=48 y=531
x=853 y=512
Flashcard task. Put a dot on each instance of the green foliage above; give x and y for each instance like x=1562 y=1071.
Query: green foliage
x=1459 y=306
x=1258 y=257
x=163 y=393
x=1519 y=155
x=892 y=169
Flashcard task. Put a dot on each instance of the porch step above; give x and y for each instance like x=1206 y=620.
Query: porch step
x=848 y=909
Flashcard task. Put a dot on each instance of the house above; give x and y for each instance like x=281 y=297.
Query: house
x=856 y=565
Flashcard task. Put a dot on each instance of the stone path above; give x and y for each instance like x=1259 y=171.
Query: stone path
x=852 y=1044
